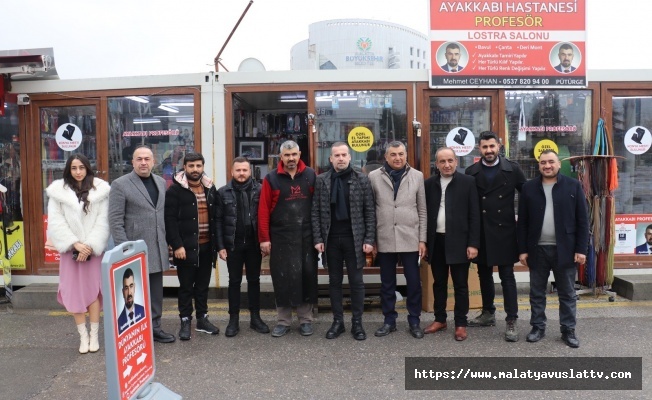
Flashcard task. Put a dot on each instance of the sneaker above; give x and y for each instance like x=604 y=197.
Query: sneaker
x=484 y=319
x=204 y=325
x=511 y=331
x=184 y=332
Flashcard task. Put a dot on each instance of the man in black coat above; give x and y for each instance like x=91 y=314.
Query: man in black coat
x=497 y=180
x=344 y=229
x=553 y=234
x=237 y=242
x=453 y=237
x=190 y=231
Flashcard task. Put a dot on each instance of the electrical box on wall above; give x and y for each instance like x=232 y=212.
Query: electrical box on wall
x=23 y=100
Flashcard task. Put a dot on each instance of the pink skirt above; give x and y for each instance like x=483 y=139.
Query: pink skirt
x=80 y=283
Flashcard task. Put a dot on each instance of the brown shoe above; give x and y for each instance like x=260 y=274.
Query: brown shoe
x=460 y=333
x=435 y=327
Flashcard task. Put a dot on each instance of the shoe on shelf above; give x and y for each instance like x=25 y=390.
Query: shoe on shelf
x=184 y=331
x=233 y=327
x=484 y=319
x=416 y=331
x=511 y=331
x=305 y=329
x=385 y=330
x=280 y=330
x=336 y=329
x=435 y=327
x=535 y=334
x=357 y=330
x=568 y=336
x=204 y=325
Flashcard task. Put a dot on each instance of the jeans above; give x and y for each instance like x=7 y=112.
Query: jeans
x=194 y=282
x=339 y=251
x=508 y=282
x=387 y=263
x=540 y=263
x=251 y=258
x=460 y=276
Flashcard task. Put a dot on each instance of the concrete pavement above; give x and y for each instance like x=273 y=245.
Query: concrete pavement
x=38 y=353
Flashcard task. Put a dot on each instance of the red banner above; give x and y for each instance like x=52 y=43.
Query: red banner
x=508 y=43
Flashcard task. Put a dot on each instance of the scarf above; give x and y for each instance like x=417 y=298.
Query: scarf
x=242 y=198
x=396 y=175
x=338 y=197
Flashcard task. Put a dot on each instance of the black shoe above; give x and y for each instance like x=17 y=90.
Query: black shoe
x=257 y=323
x=335 y=330
x=306 y=329
x=184 y=331
x=535 y=334
x=357 y=330
x=204 y=325
x=163 y=337
x=416 y=331
x=570 y=339
x=385 y=330
x=280 y=330
x=233 y=327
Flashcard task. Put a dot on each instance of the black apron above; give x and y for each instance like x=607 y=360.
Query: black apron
x=293 y=259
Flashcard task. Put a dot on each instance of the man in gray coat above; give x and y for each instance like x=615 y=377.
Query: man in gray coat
x=401 y=231
x=344 y=229
x=136 y=211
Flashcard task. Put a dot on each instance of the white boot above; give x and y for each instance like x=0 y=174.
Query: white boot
x=83 y=338
x=94 y=343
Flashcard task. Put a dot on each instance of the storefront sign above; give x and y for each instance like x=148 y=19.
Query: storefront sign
x=68 y=137
x=461 y=140
x=543 y=145
x=638 y=140
x=508 y=43
x=51 y=254
x=360 y=139
x=632 y=235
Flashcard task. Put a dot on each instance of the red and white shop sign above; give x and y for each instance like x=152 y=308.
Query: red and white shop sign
x=508 y=43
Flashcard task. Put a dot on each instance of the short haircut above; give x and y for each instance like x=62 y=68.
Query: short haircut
x=548 y=151
x=445 y=148
x=338 y=144
x=241 y=159
x=488 y=135
x=395 y=143
x=372 y=155
x=565 y=46
x=649 y=227
x=189 y=157
x=289 y=144
x=142 y=146
x=452 y=46
x=128 y=274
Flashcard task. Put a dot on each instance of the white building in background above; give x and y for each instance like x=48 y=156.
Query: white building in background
x=360 y=44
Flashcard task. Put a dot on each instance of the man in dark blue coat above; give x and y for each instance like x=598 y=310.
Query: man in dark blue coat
x=553 y=234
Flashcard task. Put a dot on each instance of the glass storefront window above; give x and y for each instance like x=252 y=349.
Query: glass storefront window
x=454 y=121
x=165 y=123
x=381 y=114
x=560 y=116
x=634 y=193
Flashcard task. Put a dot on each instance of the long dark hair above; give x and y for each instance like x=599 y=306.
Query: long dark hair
x=86 y=184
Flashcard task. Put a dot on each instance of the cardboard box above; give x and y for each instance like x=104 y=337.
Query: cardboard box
x=428 y=298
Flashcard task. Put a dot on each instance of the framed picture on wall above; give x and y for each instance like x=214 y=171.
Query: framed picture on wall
x=254 y=149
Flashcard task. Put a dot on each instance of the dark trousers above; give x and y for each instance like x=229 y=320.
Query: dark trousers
x=194 y=282
x=508 y=282
x=460 y=276
x=156 y=299
x=250 y=257
x=387 y=263
x=540 y=263
x=342 y=250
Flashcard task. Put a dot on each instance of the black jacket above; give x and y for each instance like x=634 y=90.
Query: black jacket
x=181 y=225
x=226 y=214
x=362 y=212
x=462 y=216
x=497 y=211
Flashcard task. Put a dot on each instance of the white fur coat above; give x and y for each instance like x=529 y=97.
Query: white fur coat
x=67 y=222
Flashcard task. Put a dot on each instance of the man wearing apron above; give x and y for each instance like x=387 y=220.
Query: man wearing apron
x=284 y=221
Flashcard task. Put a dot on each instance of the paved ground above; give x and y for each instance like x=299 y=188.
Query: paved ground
x=38 y=354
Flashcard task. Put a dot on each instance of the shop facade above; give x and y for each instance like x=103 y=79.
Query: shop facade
x=238 y=113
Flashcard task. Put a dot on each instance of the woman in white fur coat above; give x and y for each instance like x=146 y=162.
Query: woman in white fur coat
x=78 y=227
